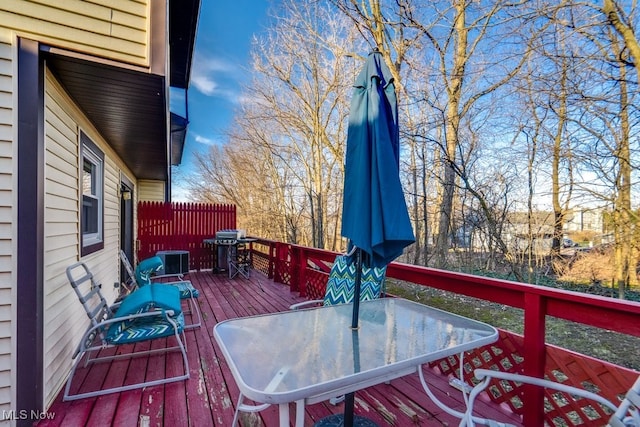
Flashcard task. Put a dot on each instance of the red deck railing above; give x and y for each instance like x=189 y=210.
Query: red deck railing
x=305 y=270
x=182 y=226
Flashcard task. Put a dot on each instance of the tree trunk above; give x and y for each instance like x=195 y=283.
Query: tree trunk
x=557 y=156
x=625 y=267
x=454 y=92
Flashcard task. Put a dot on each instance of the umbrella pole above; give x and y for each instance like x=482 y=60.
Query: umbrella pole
x=349 y=402
x=356 y=290
x=349 y=399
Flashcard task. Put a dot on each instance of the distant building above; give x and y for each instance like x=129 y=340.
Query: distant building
x=523 y=232
x=585 y=220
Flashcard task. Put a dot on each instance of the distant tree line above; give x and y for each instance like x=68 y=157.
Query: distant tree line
x=520 y=106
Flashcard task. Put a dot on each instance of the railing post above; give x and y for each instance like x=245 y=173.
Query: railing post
x=277 y=264
x=272 y=261
x=299 y=270
x=294 y=269
x=302 y=272
x=534 y=358
x=283 y=266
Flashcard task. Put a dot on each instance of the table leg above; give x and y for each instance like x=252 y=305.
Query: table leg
x=300 y=413
x=284 y=414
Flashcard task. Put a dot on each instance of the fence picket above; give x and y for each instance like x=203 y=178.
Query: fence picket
x=166 y=226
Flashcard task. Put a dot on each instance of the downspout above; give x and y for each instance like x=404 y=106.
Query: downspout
x=29 y=293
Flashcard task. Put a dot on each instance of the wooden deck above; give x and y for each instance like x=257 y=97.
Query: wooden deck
x=209 y=397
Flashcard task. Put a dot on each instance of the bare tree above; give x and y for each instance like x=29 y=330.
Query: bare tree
x=500 y=103
x=623 y=23
x=293 y=123
x=609 y=48
x=627 y=50
x=460 y=37
x=302 y=70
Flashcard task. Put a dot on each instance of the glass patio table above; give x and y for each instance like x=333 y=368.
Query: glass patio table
x=307 y=356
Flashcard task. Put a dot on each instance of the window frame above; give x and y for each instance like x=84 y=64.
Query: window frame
x=89 y=151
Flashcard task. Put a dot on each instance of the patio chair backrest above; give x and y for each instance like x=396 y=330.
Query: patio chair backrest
x=88 y=292
x=148 y=313
x=146 y=268
x=341 y=283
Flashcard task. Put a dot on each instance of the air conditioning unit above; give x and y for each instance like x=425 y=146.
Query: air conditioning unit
x=174 y=262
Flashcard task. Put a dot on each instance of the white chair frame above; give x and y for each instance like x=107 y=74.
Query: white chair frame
x=624 y=415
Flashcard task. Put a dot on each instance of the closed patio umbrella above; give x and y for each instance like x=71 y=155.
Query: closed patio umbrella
x=374 y=216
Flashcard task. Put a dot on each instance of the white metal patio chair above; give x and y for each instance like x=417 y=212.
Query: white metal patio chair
x=146 y=314
x=623 y=415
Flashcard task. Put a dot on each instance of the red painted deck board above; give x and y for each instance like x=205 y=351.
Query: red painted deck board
x=210 y=395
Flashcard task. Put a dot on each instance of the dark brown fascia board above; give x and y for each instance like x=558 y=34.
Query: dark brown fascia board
x=159 y=32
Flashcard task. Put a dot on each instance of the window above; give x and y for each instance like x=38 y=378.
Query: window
x=92 y=185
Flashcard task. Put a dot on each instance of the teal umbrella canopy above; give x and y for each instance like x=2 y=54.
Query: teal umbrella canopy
x=374 y=216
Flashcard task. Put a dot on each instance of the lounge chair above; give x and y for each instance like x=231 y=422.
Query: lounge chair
x=130 y=282
x=623 y=415
x=145 y=275
x=148 y=313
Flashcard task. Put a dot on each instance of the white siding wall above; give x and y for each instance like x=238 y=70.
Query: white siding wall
x=65 y=320
x=7 y=223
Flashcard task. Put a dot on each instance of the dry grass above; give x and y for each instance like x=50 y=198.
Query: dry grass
x=593 y=267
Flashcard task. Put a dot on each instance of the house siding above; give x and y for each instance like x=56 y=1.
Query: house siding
x=110 y=30
x=114 y=29
x=7 y=223
x=152 y=191
x=65 y=320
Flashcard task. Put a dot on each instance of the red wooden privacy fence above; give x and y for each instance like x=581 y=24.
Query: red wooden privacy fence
x=166 y=226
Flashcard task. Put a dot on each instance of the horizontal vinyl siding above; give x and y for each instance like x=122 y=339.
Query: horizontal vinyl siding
x=65 y=320
x=115 y=29
x=152 y=191
x=7 y=224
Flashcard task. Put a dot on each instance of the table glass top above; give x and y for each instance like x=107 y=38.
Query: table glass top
x=290 y=351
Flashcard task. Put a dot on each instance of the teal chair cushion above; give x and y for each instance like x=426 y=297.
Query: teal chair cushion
x=142 y=300
x=341 y=283
x=146 y=268
x=185 y=288
x=147 y=328
x=144 y=275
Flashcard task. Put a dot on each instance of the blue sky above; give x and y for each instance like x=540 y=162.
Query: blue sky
x=223 y=40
